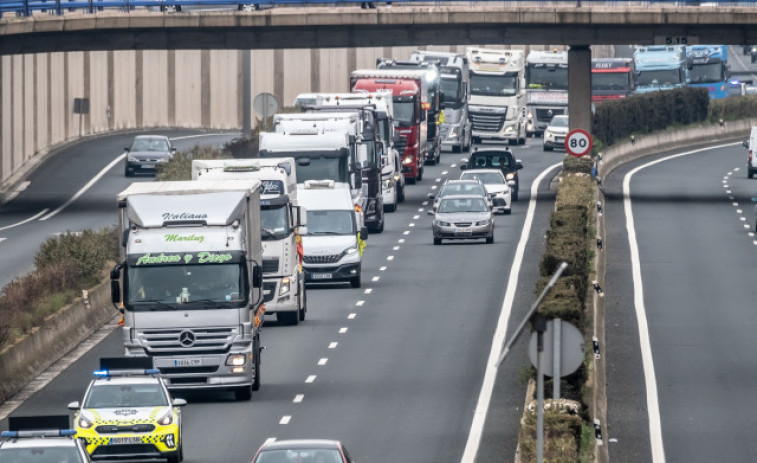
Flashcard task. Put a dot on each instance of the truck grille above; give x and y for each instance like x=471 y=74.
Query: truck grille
x=542 y=114
x=485 y=122
x=189 y=370
x=269 y=290
x=400 y=145
x=181 y=341
x=271 y=265
x=332 y=259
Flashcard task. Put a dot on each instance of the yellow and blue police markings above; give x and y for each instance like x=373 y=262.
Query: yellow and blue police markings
x=165 y=433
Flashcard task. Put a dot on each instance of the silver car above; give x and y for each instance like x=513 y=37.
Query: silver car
x=498 y=189
x=458 y=187
x=463 y=217
x=146 y=152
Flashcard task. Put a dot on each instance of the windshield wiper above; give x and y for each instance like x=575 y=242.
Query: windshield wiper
x=324 y=233
x=159 y=303
x=216 y=304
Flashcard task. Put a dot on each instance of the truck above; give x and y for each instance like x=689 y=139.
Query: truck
x=321 y=153
x=392 y=180
x=281 y=225
x=497 y=106
x=190 y=281
x=546 y=89
x=659 y=67
x=408 y=96
x=430 y=76
x=455 y=128
x=708 y=68
x=612 y=78
x=334 y=245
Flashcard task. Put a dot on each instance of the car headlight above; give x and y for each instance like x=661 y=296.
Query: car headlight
x=83 y=422
x=407 y=161
x=236 y=360
x=510 y=176
x=166 y=419
x=548 y=135
x=442 y=223
x=130 y=157
x=284 y=288
x=481 y=223
x=388 y=183
x=350 y=251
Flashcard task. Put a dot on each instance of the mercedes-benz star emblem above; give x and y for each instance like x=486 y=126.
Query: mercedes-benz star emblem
x=550 y=113
x=187 y=338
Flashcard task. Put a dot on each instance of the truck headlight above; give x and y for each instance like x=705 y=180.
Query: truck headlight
x=350 y=251
x=530 y=115
x=452 y=133
x=236 y=360
x=284 y=288
x=408 y=160
x=388 y=184
x=166 y=419
x=83 y=422
x=509 y=128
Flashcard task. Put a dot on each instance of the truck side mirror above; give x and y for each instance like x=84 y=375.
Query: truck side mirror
x=115 y=291
x=746 y=143
x=257 y=276
x=302 y=230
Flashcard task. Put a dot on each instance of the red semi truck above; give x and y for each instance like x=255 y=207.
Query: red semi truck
x=410 y=108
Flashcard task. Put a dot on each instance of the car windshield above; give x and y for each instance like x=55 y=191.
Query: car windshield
x=149 y=144
x=488 y=178
x=126 y=395
x=331 y=222
x=274 y=222
x=485 y=85
x=453 y=205
x=167 y=287
x=299 y=456
x=559 y=121
x=462 y=189
x=45 y=454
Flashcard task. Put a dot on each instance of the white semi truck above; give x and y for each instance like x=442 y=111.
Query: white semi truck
x=497 y=107
x=190 y=281
x=546 y=89
x=282 y=223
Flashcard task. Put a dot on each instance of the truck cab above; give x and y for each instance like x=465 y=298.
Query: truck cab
x=282 y=224
x=659 y=67
x=612 y=78
x=546 y=89
x=189 y=281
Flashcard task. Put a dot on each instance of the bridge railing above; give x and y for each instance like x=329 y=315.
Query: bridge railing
x=59 y=7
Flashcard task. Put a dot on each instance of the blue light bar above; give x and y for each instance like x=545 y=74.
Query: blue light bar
x=735 y=82
x=9 y=434
x=125 y=372
x=39 y=433
x=103 y=373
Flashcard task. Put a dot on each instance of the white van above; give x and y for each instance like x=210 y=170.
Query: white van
x=336 y=236
x=751 y=146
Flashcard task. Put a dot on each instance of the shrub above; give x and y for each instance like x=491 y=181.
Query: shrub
x=180 y=165
x=733 y=108
x=562 y=436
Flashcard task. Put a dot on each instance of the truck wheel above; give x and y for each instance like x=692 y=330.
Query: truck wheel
x=288 y=318
x=749 y=174
x=355 y=281
x=457 y=149
x=243 y=394
x=256 y=359
x=515 y=194
x=490 y=239
x=410 y=181
x=304 y=306
x=128 y=172
x=420 y=174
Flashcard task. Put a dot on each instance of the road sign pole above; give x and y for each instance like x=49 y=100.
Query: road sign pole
x=556 y=353
x=540 y=326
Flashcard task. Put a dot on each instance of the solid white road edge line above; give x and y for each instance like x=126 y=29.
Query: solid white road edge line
x=653 y=405
x=35 y=217
x=187 y=137
x=484 y=397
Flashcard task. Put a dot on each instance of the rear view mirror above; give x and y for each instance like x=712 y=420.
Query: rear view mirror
x=179 y=402
x=518 y=164
x=463 y=166
x=74 y=405
x=115 y=291
x=430 y=212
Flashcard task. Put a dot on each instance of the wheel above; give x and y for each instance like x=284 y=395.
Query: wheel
x=128 y=172
x=401 y=194
x=420 y=174
x=437 y=240
x=304 y=306
x=380 y=228
x=508 y=211
x=490 y=239
x=178 y=457
x=457 y=149
x=749 y=174
x=515 y=194
x=288 y=318
x=548 y=148
x=355 y=281
x=512 y=142
x=243 y=394
x=391 y=207
x=410 y=181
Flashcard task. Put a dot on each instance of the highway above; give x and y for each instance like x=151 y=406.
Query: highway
x=393 y=369
x=692 y=324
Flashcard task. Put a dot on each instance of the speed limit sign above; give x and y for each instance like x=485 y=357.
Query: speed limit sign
x=578 y=143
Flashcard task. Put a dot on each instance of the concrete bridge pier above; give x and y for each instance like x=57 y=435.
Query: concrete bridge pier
x=579 y=87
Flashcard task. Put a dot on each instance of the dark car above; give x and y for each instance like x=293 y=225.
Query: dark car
x=146 y=152
x=302 y=450
x=496 y=158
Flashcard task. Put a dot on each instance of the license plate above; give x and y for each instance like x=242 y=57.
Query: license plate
x=125 y=440
x=560 y=139
x=187 y=362
x=320 y=276
x=463 y=231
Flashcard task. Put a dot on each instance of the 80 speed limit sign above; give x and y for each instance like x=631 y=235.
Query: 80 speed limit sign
x=578 y=143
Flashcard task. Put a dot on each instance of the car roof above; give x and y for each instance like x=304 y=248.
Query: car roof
x=142 y=137
x=126 y=380
x=301 y=444
x=499 y=151
x=463 y=181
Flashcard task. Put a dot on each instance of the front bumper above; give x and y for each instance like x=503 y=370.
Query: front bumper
x=451 y=135
x=509 y=132
x=556 y=141
x=164 y=441
x=463 y=233
x=331 y=273
x=137 y=166
x=211 y=372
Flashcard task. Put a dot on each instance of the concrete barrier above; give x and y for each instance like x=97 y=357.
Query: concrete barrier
x=59 y=334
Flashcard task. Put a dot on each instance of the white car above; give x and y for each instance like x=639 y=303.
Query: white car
x=555 y=133
x=496 y=186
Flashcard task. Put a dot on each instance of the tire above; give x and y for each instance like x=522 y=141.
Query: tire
x=355 y=281
x=391 y=207
x=749 y=173
x=508 y=211
x=410 y=181
x=437 y=240
x=288 y=318
x=512 y=142
x=174 y=458
x=476 y=139
x=401 y=194
x=256 y=382
x=515 y=195
x=548 y=148
x=490 y=239
x=380 y=228
x=128 y=172
x=243 y=394
x=457 y=149
x=420 y=174
x=304 y=307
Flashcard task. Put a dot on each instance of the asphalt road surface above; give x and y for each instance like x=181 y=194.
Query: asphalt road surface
x=394 y=369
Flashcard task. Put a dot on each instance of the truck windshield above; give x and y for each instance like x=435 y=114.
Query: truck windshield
x=404 y=114
x=125 y=396
x=547 y=78
x=199 y=286
x=274 y=222
x=335 y=169
x=450 y=85
x=493 y=85
x=706 y=73
x=331 y=222
x=610 y=81
x=660 y=77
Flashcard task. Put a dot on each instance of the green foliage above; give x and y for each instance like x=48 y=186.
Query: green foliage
x=180 y=165
x=573 y=165
x=733 y=108
x=562 y=436
x=649 y=112
x=88 y=250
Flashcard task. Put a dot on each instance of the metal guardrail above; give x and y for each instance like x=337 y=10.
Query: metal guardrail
x=26 y=8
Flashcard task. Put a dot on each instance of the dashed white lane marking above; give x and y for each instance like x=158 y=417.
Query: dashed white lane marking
x=727 y=192
x=420 y=209
x=743 y=219
x=416 y=217
x=382 y=269
x=343 y=330
x=359 y=303
x=453 y=165
x=433 y=187
x=444 y=172
x=739 y=211
x=438 y=180
x=747 y=226
x=323 y=362
x=406 y=232
x=298 y=398
x=725 y=182
x=424 y=203
x=737 y=169
x=35 y=217
x=411 y=224
x=396 y=248
x=310 y=379
x=389 y=257
x=2 y=239
x=375 y=279
x=333 y=345
x=270 y=440
x=285 y=419
x=401 y=240
x=735 y=204
x=351 y=316
x=751 y=234
x=368 y=291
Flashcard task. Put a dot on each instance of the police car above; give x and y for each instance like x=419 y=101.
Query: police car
x=41 y=439
x=127 y=413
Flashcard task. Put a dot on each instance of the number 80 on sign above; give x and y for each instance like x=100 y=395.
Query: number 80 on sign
x=578 y=143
